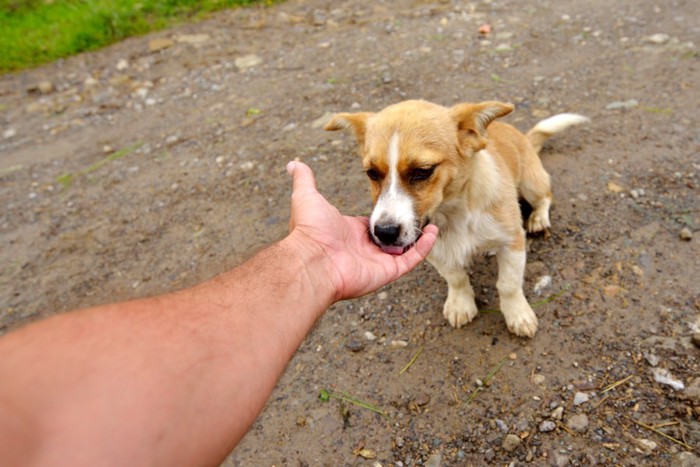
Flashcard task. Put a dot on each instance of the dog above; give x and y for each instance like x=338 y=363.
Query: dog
x=463 y=171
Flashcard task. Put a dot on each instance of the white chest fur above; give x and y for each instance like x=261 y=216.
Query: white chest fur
x=463 y=234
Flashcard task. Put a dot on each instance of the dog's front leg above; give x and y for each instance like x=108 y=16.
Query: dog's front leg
x=460 y=307
x=520 y=318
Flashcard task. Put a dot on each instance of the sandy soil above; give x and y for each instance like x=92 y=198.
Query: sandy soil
x=159 y=162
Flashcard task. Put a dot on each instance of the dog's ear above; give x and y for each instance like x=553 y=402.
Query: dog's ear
x=473 y=119
x=358 y=122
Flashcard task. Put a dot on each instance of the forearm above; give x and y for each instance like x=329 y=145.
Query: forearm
x=164 y=380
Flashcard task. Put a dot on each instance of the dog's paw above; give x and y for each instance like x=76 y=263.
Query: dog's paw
x=538 y=222
x=459 y=311
x=521 y=320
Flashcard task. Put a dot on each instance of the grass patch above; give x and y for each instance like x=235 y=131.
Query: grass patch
x=33 y=32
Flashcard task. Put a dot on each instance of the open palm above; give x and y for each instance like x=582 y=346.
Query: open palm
x=360 y=266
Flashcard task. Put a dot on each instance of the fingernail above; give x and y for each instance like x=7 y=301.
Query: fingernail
x=290 y=167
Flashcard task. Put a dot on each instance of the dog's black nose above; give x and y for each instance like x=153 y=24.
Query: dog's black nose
x=387 y=234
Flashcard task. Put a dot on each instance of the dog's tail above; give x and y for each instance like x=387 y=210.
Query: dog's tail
x=546 y=128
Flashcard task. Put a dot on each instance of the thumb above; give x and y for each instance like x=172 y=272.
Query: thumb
x=302 y=177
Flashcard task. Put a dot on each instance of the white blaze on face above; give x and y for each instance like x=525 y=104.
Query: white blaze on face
x=394 y=206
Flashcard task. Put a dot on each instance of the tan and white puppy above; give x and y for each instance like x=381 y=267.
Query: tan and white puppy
x=459 y=169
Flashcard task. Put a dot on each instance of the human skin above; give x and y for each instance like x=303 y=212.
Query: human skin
x=178 y=379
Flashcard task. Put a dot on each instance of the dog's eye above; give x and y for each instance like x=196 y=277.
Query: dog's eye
x=373 y=174
x=420 y=174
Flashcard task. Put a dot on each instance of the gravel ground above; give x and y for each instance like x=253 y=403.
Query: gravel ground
x=159 y=162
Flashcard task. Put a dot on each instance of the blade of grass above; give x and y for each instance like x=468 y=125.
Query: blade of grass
x=325 y=395
x=485 y=381
x=66 y=179
x=412 y=361
x=612 y=386
x=660 y=433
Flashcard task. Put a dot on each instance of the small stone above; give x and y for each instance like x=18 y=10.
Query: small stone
x=370 y=336
x=434 y=460
x=652 y=359
x=354 y=345
x=511 y=442
x=301 y=420
x=502 y=425
x=193 y=39
x=155 y=45
x=686 y=234
x=542 y=283
x=623 y=105
x=615 y=188
x=538 y=378
x=663 y=376
x=557 y=413
x=645 y=446
x=578 y=423
x=421 y=399
x=247 y=61
x=658 y=39
x=695 y=339
x=247 y=166
x=122 y=64
x=366 y=453
x=382 y=295
x=9 y=133
x=45 y=87
x=580 y=398
x=686 y=459
x=399 y=344
x=220 y=160
x=546 y=426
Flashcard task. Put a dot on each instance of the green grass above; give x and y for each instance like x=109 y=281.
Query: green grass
x=33 y=32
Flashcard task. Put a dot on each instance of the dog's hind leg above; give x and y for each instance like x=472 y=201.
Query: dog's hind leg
x=520 y=318
x=536 y=189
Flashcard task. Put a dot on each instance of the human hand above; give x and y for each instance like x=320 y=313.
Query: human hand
x=358 y=265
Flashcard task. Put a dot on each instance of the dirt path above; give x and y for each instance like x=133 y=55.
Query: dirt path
x=159 y=162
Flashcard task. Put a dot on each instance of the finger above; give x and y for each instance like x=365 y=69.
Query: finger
x=302 y=177
x=421 y=249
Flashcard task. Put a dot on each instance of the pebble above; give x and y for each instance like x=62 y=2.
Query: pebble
x=154 y=45
x=46 y=87
x=652 y=359
x=542 y=283
x=580 y=398
x=399 y=344
x=354 y=345
x=636 y=193
x=502 y=425
x=686 y=234
x=658 y=38
x=578 y=423
x=421 y=399
x=623 y=105
x=511 y=442
x=193 y=38
x=696 y=339
x=122 y=64
x=663 y=376
x=434 y=460
x=247 y=61
x=370 y=336
x=382 y=295
x=557 y=413
x=9 y=133
x=547 y=426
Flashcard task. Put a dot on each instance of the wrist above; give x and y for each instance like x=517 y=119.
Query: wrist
x=316 y=268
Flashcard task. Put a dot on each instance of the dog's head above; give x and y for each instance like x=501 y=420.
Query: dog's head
x=416 y=154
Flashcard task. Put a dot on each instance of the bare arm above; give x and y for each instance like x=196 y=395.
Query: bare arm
x=178 y=379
